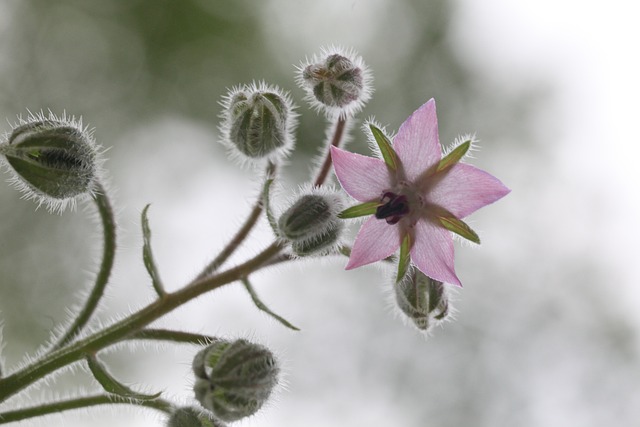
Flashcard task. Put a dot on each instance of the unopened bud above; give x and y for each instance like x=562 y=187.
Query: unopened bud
x=54 y=161
x=311 y=224
x=258 y=122
x=192 y=417
x=234 y=379
x=422 y=299
x=336 y=81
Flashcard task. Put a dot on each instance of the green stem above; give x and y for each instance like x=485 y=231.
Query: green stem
x=173 y=336
x=338 y=134
x=82 y=402
x=109 y=230
x=59 y=358
x=242 y=233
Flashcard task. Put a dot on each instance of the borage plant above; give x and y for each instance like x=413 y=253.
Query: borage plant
x=416 y=197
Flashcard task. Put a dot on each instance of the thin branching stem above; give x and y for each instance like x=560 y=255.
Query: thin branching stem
x=75 y=351
x=338 y=135
x=81 y=402
x=172 y=336
x=109 y=250
x=242 y=233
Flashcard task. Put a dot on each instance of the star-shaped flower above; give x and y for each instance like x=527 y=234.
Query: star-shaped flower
x=416 y=196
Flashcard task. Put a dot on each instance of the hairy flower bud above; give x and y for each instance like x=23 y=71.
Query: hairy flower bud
x=192 y=417
x=422 y=299
x=234 y=378
x=311 y=223
x=258 y=122
x=336 y=81
x=54 y=161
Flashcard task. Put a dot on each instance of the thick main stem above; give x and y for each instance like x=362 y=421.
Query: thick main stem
x=12 y=384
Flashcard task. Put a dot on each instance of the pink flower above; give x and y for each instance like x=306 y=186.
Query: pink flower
x=415 y=193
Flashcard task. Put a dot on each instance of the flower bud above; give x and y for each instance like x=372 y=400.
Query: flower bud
x=234 y=379
x=422 y=299
x=311 y=224
x=54 y=161
x=336 y=81
x=258 y=122
x=192 y=417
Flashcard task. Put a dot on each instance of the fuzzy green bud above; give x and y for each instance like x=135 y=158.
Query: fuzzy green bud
x=54 y=161
x=336 y=81
x=258 y=122
x=192 y=417
x=422 y=299
x=311 y=223
x=234 y=378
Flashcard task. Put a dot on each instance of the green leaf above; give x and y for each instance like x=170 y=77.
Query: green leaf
x=356 y=211
x=403 y=260
x=111 y=385
x=266 y=189
x=459 y=227
x=261 y=306
x=147 y=254
x=388 y=154
x=454 y=156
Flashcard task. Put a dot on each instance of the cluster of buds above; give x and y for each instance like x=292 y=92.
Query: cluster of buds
x=234 y=378
x=258 y=122
x=337 y=81
x=311 y=223
x=54 y=161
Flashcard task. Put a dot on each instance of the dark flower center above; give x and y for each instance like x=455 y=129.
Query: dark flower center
x=394 y=208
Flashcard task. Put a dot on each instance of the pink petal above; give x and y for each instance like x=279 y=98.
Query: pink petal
x=432 y=252
x=364 y=178
x=417 y=142
x=376 y=240
x=464 y=189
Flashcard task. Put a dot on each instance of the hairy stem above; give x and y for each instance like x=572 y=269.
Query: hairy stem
x=81 y=402
x=109 y=231
x=242 y=233
x=173 y=336
x=338 y=134
x=73 y=352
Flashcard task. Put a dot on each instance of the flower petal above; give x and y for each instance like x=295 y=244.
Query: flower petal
x=464 y=189
x=432 y=252
x=364 y=178
x=417 y=142
x=376 y=240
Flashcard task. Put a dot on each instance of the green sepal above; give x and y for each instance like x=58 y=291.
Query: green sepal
x=403 y=260
x=459 y=227
x=388 y=154
x=111 y=385
x=454 y=156
x=261 y=306
x=368 y=208
x=147 y=254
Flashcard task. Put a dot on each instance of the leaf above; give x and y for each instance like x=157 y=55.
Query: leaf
x=356 y=211
x=261 y=306
x=147 y=254
x=403 y=260
x=454 y=156
x=265 y=199
x=459 y=227
x=111 y=385
x=388 y=154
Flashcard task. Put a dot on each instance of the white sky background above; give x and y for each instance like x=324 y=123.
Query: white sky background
x=588 y=50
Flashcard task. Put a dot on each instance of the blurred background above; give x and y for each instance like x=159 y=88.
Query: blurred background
x=547 y=326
